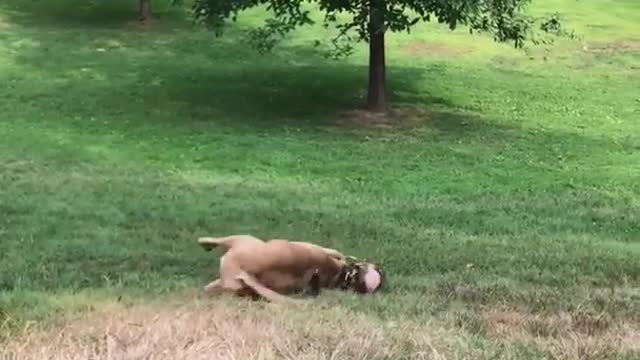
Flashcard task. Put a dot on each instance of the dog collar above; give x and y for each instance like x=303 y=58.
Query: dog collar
x=347 y=275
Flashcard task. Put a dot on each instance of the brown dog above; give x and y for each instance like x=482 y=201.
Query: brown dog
x=276 y=268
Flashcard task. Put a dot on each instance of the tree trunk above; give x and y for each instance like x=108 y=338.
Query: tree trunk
x=144 y=12
x=376 y=97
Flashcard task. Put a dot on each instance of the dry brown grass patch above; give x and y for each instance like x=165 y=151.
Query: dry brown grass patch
x=565 y=335
x=228 y=328
x=433 y=49
x=224 y=329
x=399 y=117
x=624 y=46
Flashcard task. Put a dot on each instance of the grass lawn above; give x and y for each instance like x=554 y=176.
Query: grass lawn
x=503 y=200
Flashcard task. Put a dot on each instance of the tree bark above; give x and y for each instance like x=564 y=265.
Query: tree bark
x=377 y=91
x=144 y=12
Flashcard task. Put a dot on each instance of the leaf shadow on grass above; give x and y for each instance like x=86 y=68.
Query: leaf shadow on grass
x=270 y=93
x=93 y=14
x=301 y=96
x=137 y=80
x=175 y=80
x=223 y=82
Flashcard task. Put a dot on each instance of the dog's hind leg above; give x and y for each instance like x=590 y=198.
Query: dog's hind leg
x=237 y=287
x=214 y=287
x=252 y=283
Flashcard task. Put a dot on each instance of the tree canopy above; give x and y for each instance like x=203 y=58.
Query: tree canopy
x=368 y=20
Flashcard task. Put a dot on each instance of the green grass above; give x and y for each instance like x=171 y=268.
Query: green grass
x=120 y=146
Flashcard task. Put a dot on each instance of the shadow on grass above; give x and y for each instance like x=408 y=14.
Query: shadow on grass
x=295 y=95
x=86 y=13
x=225 y=83
x=190 y=79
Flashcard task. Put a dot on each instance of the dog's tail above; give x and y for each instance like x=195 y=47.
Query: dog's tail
x=208 y=243
x=224 y=243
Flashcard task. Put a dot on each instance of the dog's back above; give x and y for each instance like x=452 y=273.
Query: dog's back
x=278 y=255
x=288 y=266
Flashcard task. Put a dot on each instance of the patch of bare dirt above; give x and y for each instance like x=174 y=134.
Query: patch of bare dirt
x=433 y=49
x=405 y=117
x=143 y=24
x=625 y=46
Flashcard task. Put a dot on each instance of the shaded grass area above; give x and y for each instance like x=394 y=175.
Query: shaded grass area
x=515 y=184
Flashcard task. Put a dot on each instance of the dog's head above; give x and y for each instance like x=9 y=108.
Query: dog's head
x=364 y=277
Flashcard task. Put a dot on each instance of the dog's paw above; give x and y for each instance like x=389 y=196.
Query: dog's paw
x=243 y=277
